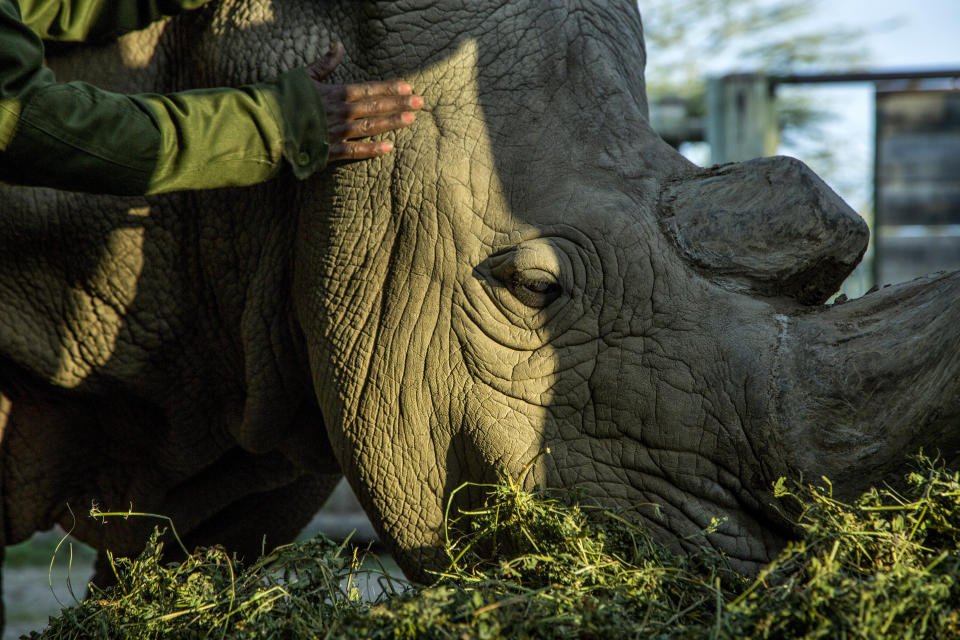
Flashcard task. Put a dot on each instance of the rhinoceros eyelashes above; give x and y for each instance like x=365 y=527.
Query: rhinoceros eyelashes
x=534 y=287
x=523 y=271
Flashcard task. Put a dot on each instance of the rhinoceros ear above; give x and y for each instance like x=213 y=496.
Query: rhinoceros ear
x=769 y=226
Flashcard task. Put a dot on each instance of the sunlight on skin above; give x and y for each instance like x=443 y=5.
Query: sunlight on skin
x=430 y=316
x=95 y=310
x=5 y=407
x=137 y=49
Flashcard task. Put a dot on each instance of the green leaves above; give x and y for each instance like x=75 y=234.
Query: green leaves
x=548 y=564
x=887 y=565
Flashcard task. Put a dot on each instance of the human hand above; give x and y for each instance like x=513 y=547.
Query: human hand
x=361 y=110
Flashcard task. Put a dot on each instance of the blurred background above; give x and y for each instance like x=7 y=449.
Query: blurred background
x=731 y=80
x=866 y=92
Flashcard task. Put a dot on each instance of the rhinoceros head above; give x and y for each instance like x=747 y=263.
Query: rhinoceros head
x=534 y=268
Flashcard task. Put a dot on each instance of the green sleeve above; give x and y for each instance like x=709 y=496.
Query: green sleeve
x=77 y=137
x=79 y=20
x=237 y=137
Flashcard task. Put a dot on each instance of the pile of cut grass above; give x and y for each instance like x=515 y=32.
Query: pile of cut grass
x=543 y=564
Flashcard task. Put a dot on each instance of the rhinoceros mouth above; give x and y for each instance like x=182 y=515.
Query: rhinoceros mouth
x=694 y=515
x=685 y=499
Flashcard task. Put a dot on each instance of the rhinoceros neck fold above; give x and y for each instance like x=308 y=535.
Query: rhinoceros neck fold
x=868 y=383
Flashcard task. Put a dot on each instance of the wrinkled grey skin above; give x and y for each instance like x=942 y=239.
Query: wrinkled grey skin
x=533 y=267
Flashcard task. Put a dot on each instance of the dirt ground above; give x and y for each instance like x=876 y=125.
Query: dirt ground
x=30 y=600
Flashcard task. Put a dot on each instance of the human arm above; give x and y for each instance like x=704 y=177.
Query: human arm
x=76 y=136
x=121 y=144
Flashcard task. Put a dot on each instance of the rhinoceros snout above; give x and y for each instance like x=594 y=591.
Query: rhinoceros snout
x=865 y=384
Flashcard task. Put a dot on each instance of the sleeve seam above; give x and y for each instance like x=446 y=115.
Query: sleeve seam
x=67 y=140
x=38 y=124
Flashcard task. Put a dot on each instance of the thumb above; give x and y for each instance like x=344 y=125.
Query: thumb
x=325 y=65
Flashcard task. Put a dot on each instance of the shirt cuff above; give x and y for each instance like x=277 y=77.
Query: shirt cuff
x=306 y=143
x=239 y=137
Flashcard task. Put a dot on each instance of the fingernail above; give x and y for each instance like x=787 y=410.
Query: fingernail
x=404 y=89
x=416 y=102
x=386 y=147
x=407 y=117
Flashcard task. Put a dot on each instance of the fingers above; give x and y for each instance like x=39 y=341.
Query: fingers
x=374 y=107
x=341 y=135
x=370 y=90
x=348 y=94
x=361 y=110
x=325 y=65
x=366 y=127
x=359 y=150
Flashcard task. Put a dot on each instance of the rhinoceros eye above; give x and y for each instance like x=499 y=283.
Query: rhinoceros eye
x=534 y=287
x=530 y=273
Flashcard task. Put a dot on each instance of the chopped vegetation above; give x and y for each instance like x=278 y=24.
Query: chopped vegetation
x=543 y=564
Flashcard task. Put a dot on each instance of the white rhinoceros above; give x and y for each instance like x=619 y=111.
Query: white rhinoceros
x=533 y=267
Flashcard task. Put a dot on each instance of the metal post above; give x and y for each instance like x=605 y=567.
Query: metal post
x=741 y=118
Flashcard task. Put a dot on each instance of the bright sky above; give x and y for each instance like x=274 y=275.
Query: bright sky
x=919 y=34
x=924 y=32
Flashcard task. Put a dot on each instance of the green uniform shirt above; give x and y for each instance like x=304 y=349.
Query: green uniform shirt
x=75 y=136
